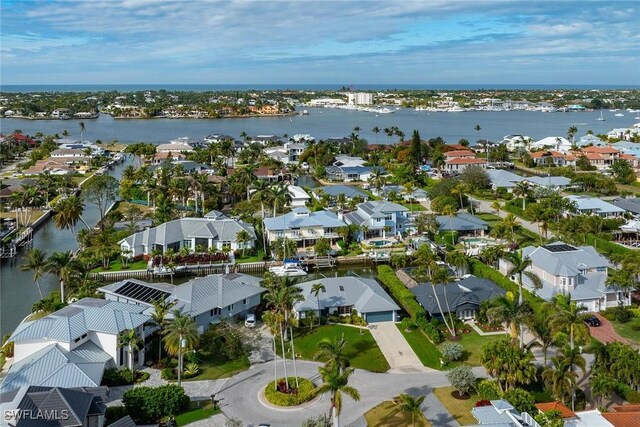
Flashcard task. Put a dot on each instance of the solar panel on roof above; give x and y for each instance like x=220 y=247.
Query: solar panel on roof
x=141 y=292
x=559 y=248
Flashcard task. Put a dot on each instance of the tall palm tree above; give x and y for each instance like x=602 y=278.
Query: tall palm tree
x=279 y=197
x=541 y=329
x=159 y=316
x=411 y=405
x=68 y=212
x=569 y=318
x=37 y=261
x=65 y=267
x=243 y=237
x=129 y=339
x=181 y=327
x=336 y=383
x=459 y=260
x=82 y=130
x=510 y=222
x=332 y=351
x=519 y=265
x=507 y=309
x=601 y=386
x=573 y=358
x=376 y=130
x=440 y=276
x=522 y=189
x=316 y=289
x=559 y=378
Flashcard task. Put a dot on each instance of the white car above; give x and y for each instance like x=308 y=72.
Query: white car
x=250 y=321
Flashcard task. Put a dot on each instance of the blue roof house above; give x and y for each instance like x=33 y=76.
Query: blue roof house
x=303 y=226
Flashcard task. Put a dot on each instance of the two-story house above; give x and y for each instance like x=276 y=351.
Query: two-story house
x=72 y=346
x=601 y=157
x=210 y=232
x=303 y=226
x=379 y=217
x=544 y=158
x=457 y=161
x=579 y=271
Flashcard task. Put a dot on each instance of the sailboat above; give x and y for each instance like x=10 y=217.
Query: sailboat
x=601 y=119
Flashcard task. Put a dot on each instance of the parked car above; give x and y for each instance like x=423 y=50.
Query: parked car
x=250 y=321
x=592 y=321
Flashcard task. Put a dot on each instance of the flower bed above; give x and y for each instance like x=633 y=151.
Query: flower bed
x=292 y=396
x=488 y=328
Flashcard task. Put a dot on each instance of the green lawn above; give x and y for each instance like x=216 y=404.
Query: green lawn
x=459 y=409
x=388 y=414
x=117 y=266
x=361 y=349
x=212 y=368
x=414 y=207
x=249 y=258
x=428 y=353
x=625 y=331
x=473 y=343
x=196 y=414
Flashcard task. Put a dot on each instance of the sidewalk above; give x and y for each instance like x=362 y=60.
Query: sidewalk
x=485 y=206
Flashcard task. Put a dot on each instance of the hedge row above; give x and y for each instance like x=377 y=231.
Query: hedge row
x=607 y=247
x=400 y=292
x=302 y=395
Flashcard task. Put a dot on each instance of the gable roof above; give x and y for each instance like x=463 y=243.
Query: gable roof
x=461 y=222
x=300 y=217
x=566 y=262
x=502 y=178
x=366 y=295
x=556 y=406
x=348 y=191
x=203 y=294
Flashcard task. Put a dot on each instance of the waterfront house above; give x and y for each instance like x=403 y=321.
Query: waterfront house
x=72 y=346
x=464 y=296
x=503 y=179
x=579 y=271
x=334 y=191
x=378 y=217
x=500 y=413
x=68 y=152
x=628 y=147
x=265 y=173
x=342 y=295
x=601 y=157
x=54 y=406
x=303 y=226
x=555 y=143
x=174 y=147
x=299 y=197
x=210 y=232
x=458 y=160
x=265 y=139
x=589 y=139
x=586 y=205
x=516 y=142
x=546 y=158
x=352 y=173
x=417 y=195
x=343 y=160
x=462 y=223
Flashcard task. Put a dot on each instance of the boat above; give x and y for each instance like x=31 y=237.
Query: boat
x=619 y=115
x=290 y=268
x=600 y=119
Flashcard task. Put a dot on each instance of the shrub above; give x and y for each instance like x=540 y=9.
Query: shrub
x=150 y=404
x=462 y=378
x=481 y=403
x=114 y=377
x=168 y=374
x=303 y=394
x=452 y=351
x=631 y=396
x=430 y=330
x=400 y=292
x=521 y=399
x=408 y=324
x=114 y=413
x=622 y=314
x=488 y=390
x=191 y=370
x=635 y=325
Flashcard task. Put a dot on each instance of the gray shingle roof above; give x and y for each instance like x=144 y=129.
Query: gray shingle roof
x=348 y=191
x=461 y=222
x=376 y=207
x=301 y=217
x=366 y=295
x=88 y=314
x=123 y=422
x=223 y=229
x=631 y=204
x=565 y=263
x=217 y=290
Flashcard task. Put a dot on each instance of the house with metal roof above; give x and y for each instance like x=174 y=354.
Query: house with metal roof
x=579 y=271
x=550 y=182
x=464 y=296
x=500 y=413
x=31 y=406
x=418 y=194
x=303 y=226
x=334 y=191
x=377 y=217
x=352 y=173
x=586 y=205
x=72 y=346
x=342 y=295
x=463 y=223
x=501 y=178
x=299 y=197
x=208 y=232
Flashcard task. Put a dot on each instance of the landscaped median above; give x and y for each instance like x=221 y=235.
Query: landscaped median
x=296 y=394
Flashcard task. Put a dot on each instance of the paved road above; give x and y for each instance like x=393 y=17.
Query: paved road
x=485 y=206
x=401 y=357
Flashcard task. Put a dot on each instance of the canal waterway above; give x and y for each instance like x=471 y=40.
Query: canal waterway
x=17 y=289
x=326 y=122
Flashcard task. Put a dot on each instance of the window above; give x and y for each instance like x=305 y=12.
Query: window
x=230 y=308
x=215 y=312
x=346 y=309
x=341 y=288
x=388 y=217
x=244 y=301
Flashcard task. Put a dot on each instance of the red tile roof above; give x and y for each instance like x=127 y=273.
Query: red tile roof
x=601 y=150
x=556 y=406
x=460 y=153
x=623 y=419
x=465 y=161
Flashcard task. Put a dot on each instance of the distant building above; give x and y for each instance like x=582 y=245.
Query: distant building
x=299 y=197
x=360 y=98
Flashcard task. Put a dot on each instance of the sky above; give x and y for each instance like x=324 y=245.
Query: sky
x=404 y=42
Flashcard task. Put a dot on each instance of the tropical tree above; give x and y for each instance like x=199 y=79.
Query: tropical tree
x=519 y=266
x=440 y=276
x=541 y=329
x=336 y=383
x=411 y=405
x=181 y=327
x=243 y=237
x=332 y=351
x=507 y=310
x=459 y=260
x=161 y=309
x=101 y=190
x=510 y=365
x=36 y=260
x=522 y=189
x=316 y=289
x=82 y=130
x=65 y=267
x=130 y=340
x=569 y=318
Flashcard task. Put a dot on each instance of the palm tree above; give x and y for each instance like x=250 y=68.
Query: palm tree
x=64 y=266
x=336 y=383
x=376 y=130
x=541 y=329
x=510 y=223
x=459 y=260
x=181 y=327
x=569 y=318
x=508 y=310
x=519 y=267
x=68 y=212
x=508 y=363
x=522 y=189
x=333 y=352
x=37 y=261
x=572 y=358
x=440 y=276
x=496 y=206
x=559 y=378
x=411 y=405
x=159 y=316
x=243 y=237
x=315 y=290
x=129 y=339
x=601 y=385
x=279 y=197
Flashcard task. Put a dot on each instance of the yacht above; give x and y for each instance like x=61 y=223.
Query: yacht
x=290 y=268
x=619 y=115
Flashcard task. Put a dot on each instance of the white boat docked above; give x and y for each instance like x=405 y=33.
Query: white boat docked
x=288 y=270
x=619 y=115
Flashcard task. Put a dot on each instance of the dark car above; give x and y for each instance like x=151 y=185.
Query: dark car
x=592 y=321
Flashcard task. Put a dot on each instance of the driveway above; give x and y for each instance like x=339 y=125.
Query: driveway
x=605 y=333
x=401 y=357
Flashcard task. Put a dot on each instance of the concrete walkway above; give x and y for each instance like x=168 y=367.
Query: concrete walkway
x=401 y=357
x=485 y=206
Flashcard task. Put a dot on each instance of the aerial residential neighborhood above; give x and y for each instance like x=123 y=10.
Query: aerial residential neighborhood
x=319 y=214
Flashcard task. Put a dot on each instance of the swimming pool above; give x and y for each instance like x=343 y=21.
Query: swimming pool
x=380 y=242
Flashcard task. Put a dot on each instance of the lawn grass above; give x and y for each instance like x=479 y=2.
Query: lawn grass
x=250 y=258
x=388 y=414
x=117 y=266
x=414 y=207
x=361 y=349
x=460 y=410
x=213 y=368
x=428 y=353
x=196 y=414
x=473 y=343
x=625 y=331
